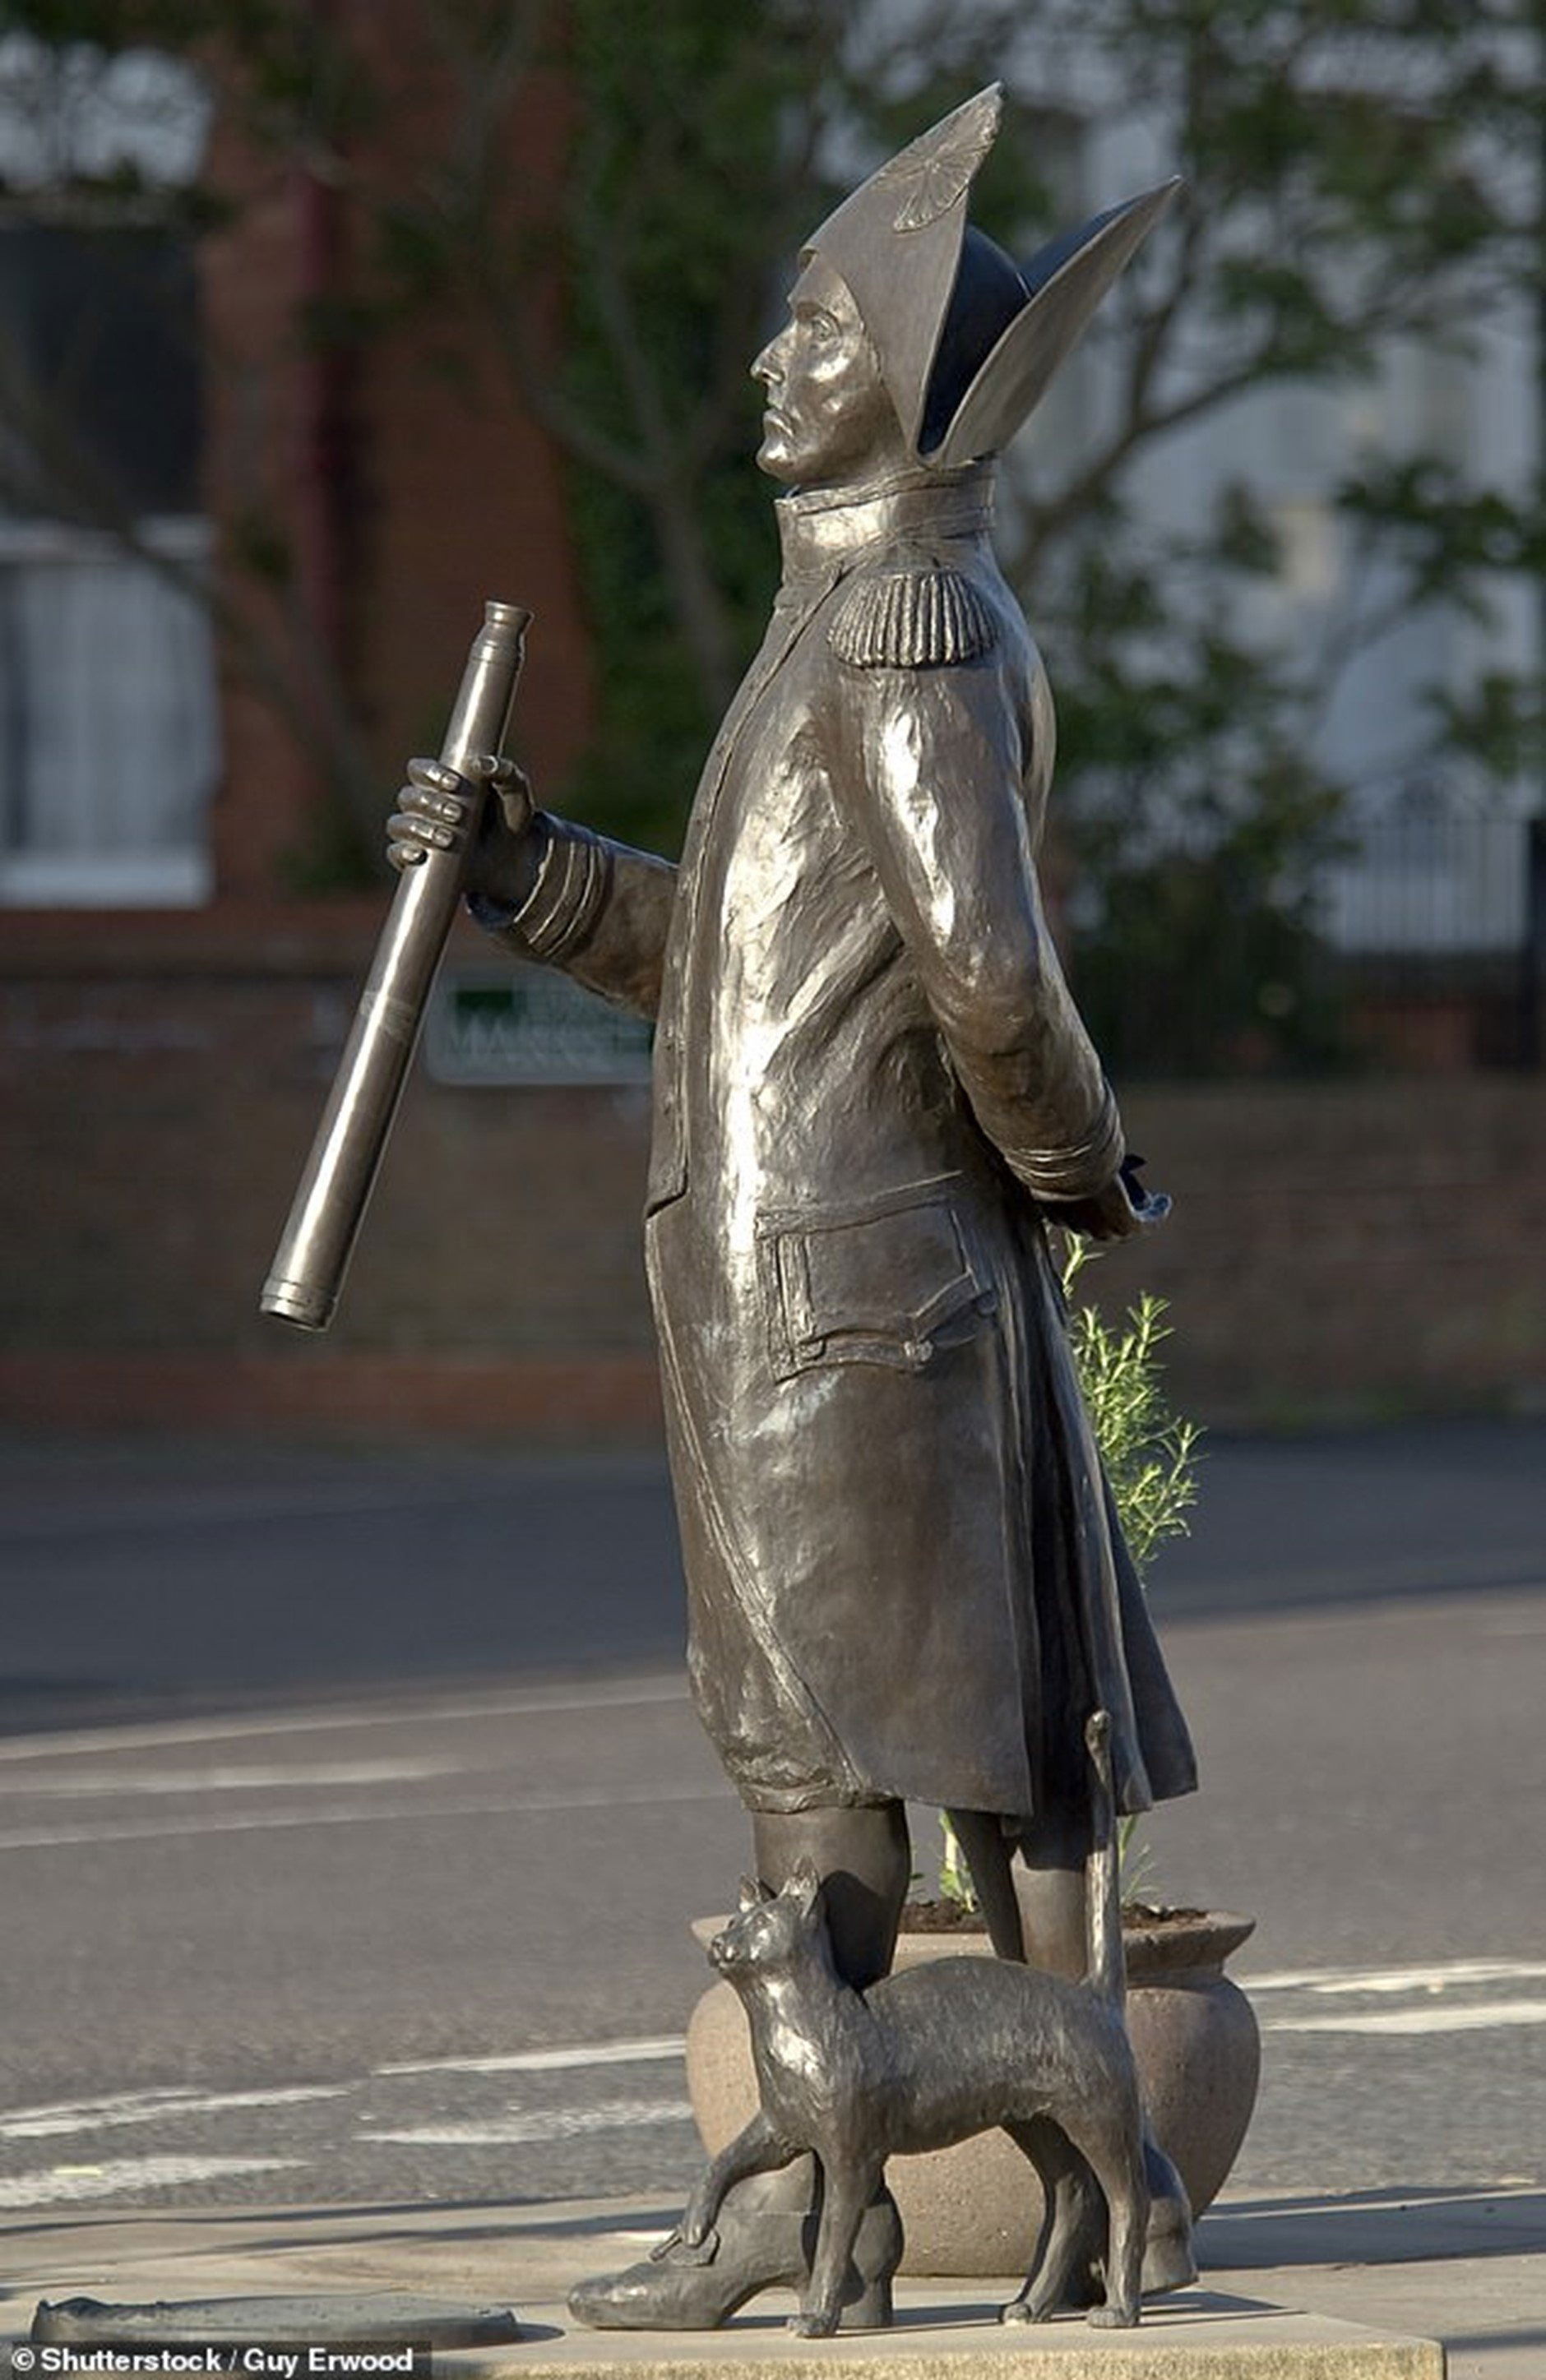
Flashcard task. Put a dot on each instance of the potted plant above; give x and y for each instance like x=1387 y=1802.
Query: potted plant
x=976 y=2209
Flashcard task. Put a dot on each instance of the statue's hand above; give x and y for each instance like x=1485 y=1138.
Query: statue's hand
x=433 y=813
x=1123 y=1209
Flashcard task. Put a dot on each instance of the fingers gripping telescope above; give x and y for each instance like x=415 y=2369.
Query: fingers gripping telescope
x=313 y=1254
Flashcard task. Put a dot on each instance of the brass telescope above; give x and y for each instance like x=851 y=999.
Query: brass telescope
x=313 y=1254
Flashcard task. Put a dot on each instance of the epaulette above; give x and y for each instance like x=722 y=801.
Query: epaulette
x=921 y=618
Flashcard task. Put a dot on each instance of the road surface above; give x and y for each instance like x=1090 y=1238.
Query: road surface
x=352 y=1814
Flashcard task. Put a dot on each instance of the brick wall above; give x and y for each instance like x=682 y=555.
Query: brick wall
x=162 y=1102
x=1349 y=1248
x=1335 y=1249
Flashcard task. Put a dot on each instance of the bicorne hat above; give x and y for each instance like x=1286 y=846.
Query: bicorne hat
x=967 y=341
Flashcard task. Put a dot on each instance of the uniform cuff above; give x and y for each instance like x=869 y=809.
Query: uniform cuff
x=566 y=897
x=1081 y=1171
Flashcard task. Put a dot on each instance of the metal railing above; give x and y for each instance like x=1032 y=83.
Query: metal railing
x=1423 y=945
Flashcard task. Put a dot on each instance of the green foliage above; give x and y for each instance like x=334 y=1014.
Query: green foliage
x=1192 y=816
x=1500 y=724
x=674 y=174
x=1148 y=1452
x=955 y=1884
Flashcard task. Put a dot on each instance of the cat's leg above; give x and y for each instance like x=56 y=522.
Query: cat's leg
x=1072 y=2209
x=847 y=2192
x=1050 y=1887
x=1113 y=2144
x=1169 y=2253
x=755 y=2149
x=1036 y=1911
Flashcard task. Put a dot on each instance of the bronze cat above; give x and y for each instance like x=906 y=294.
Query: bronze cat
x=931 y=2056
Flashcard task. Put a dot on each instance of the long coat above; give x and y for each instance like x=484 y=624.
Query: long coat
x=904 y=1577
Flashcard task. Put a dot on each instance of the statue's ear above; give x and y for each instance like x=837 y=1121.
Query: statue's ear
x=805 y=1883
x=753 y=1893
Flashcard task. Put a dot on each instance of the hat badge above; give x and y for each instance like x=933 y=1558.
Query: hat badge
x=934 y=171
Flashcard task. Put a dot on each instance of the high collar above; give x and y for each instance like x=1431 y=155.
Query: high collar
x=822 y=528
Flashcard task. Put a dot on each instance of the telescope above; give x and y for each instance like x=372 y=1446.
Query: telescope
x=307 y=1272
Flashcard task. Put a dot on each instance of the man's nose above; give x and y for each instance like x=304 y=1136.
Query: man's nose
x=769 y=366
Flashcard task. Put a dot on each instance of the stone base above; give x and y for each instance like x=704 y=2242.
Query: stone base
x=1239 y=2328
x=945 y=2334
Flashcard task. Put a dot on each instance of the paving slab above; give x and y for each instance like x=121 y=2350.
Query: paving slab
x=528 y=2257
x=1466 y=2266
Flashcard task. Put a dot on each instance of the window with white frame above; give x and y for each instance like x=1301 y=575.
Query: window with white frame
x=108 y=718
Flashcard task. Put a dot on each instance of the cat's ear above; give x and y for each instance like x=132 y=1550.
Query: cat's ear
x=752 y=1893
x=805 y=1883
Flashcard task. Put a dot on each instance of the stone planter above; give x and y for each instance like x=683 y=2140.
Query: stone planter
x=977 y=2209
x=1196 y=2041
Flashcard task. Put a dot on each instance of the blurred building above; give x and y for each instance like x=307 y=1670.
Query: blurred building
x=1433 y=916
x=218 y=534
x=174 y=987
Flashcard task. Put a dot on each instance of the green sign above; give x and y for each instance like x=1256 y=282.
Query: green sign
x=530 y=1024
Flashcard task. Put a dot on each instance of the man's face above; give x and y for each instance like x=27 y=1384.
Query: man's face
x=829 y=416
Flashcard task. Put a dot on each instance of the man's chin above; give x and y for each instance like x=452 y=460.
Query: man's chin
x=774 y=458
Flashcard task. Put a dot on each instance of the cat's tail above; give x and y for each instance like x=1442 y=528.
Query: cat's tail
x=1102 y=1890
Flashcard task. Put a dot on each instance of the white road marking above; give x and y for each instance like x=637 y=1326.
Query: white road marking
x=1416 y=2020
x=90 y=1782
x=1313 y=2210
x=1398 y=1979
x=551 y=2124
x=552 y=2061
x=533 y=1701
x=67 y=2184
x=151 y=2107
x=516 y=1806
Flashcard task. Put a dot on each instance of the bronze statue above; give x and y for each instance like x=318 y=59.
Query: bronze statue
x=874 y=1095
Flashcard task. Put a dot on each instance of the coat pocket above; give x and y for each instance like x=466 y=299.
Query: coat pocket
x=892 y=1282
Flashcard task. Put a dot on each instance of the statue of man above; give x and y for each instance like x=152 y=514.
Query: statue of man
x=872 y=1096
